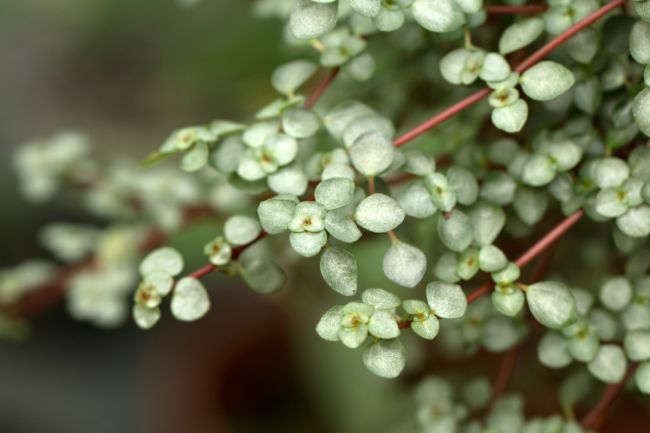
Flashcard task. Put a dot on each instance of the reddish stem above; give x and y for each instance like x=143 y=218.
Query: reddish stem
x=530 y=61
x=505 y=373
x=597 y=414
x=550 y=237
x=321 y=88
x=513 y=10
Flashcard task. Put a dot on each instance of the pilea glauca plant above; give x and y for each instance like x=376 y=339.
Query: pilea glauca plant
x=460 y=139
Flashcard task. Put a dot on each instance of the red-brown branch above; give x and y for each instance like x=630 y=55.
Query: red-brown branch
x=321 y=88
x=530 y=61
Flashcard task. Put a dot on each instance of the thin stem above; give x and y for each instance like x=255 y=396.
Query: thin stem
x=321 y=88
x=530 y=61
x=597 y=414
x=539 y=247
x=514 y=10
x=505 y=373
x=371 y=185
x=549 y=239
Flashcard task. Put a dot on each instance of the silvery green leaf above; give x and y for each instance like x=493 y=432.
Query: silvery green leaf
x=470 y=7
x=491 y=259
x=249 y=167
x=500 y=334
x=452 y=65
x=495 y=68
x=588 y=95
x=508 y=275
x=380 y=299
x=455 y=230
x=190 y=300
x=383 y=325
x=468 y=264
x=338 y=118
x=503 y=151
x=308 y=216
x=637 y=345
x=520 y=34
x=290 y=180
x=506 y=97
x=329 y=325
x=446 y=300
x=610 y=203
x=367 y=8
x=551 y=303
x=446 y=268
x=538 y=170
x=226 y=156
x=419 y=163
x=584 y=46
x=339 y=270
x=378 y=213
x=161 y=281
x=464 y=185
x=385 y=358
x=427 y=328
x=640 y=42
x=530 y=204
x=511 y=118
x=289 y=77
x=404 y=264
x=275 y=213
x=616 y=293
x=641 y=110
x=643 y=9
x=339 y=224
x=546 y=80
x=258 y=133
x=219 y=251
x=584 y=347
x=299 y=122
x=145 y=317
x=389 y=20
x=487 y=222
x=335 y=193
x=415 y=200
x=440 y=16
x=221 y=128
x=310 y=19
x=553 y=351
x=635 y=222
x=609 y=365
x=508 y=303
x=281 y=147
x=642 y=375
x=196 y=158
x=442 y=194
x=263 y=276
x=308 y=244
x=610 y=172
x=241 y=229
x=338 y=170
x=360 y=68
x=353 y=337
x=164 y=259
x=359 y=126
x=498 y=188
x=372 y=153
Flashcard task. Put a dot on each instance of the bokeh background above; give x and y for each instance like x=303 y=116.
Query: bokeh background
x=127 y=73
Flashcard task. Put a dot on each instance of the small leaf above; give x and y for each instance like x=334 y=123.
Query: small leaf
x=508 y=303
x=335 y=193
x=190 y=300
x=455 y=230
x=241 y=229
x=553 y=351
x=427 y=328
x=385 y=358
x=640 y=42
x=546 y=80
x=636 y=222
x=339 y=224
x=329 y=325
x=637 y=346
x=487 y=222
x=491 y=259
x=641 y=110
x=440 y=16
x=308 y=244
x=609 y=365
x=446 y=300
x=379 y=213
x=196 y=158
x=289 y=77
x=164 y=259
x=551 y=303
x=520 y=34
x=642 y=377
x=404 y=264
x=415 y=200
x=299 y=122
x=263 y=276
x=616 y=293
x=380 y=299
x=145 y=317
x=275 y=214
x=511 y=118
x=372 y=153
x=383 y=325
x=339 y=270
x=310 y=19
